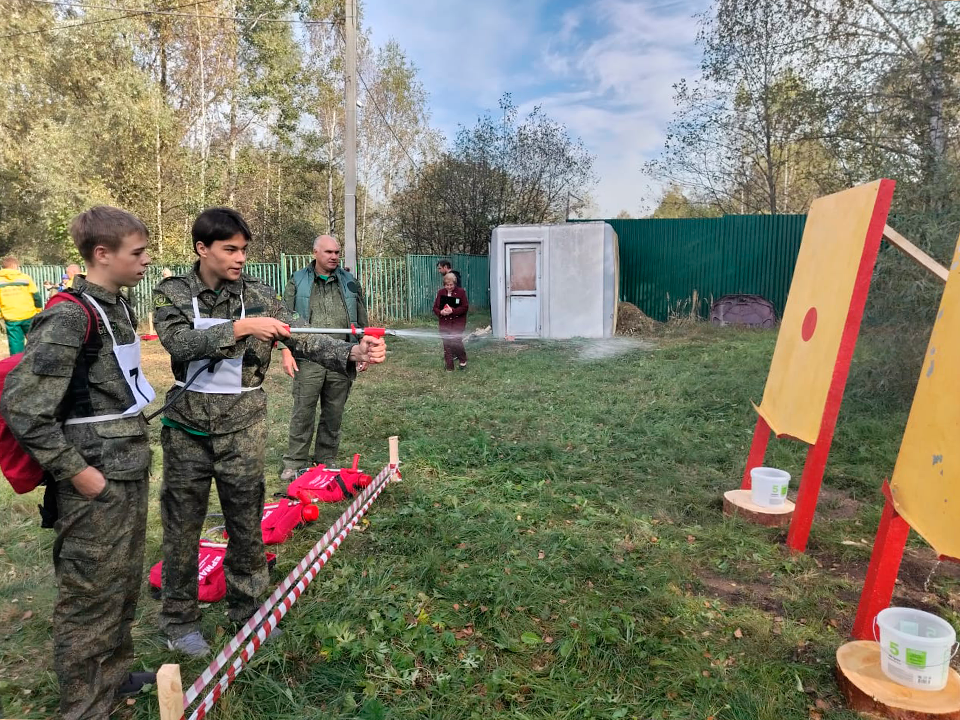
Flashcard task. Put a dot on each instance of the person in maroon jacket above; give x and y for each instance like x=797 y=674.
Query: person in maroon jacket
x=451 y=307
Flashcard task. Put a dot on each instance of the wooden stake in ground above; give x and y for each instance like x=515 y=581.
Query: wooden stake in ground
x=867 y=690
x=170 y=692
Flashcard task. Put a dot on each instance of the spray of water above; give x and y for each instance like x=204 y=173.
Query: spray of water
x=417 y=334
x=587 y=349
x=606 y=348
x=926 y=583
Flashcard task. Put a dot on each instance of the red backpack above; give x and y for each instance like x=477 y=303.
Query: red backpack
x=211 y=581
x=325 y=484
x=21 y=470
x=282 y=517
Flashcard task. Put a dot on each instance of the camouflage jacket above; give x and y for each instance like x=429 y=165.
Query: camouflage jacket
x=173 y=321
x=37 y=396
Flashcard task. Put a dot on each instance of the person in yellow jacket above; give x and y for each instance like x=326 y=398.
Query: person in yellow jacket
x=20 y=300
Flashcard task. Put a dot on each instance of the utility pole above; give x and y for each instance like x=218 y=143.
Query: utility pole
x=566 y=215
x=350 y=140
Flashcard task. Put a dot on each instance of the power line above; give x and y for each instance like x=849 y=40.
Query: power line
x=382 y=115
x=146 y=11
x=386 y=122
x=94 y=22
x=139 y=12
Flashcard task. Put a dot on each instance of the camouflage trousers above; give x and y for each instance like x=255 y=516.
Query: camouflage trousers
x=235 y=461
x=315 y=384
x=98 y=561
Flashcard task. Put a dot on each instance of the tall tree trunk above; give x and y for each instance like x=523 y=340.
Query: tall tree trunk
x=234 y=81
x=331 y=129
x=266 y=197
x=203 y=116
x=363 y=222
x=937 y=137
x=159 y=184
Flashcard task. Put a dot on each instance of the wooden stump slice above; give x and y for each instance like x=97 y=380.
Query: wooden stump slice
x=738 y=502
x=871 y=693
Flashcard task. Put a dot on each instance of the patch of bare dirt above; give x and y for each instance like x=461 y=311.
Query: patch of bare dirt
x=923 y=582
x=836 y=505
x=755 y=594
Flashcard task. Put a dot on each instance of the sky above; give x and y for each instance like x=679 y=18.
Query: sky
x=604 y=68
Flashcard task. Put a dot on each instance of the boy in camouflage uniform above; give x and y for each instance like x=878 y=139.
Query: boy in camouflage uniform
x=217 y=428
x=76 y=407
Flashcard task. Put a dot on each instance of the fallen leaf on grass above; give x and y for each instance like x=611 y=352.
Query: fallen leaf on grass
x=540 y=555
x=529 y=638
x=691 y=538
x=738 y=633
x=456 y=606
x=27 y=615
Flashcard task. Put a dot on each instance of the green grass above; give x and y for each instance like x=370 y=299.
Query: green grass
x=556 y=549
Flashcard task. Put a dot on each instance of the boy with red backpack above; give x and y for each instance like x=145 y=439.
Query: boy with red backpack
x=74 y=402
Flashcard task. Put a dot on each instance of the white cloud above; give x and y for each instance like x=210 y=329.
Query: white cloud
x=624 y=76
x=605 y=68
x=467 y=52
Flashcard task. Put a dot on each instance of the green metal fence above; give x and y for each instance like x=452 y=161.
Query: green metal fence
x=395 y=288
x=423 y=280
x=663 y=262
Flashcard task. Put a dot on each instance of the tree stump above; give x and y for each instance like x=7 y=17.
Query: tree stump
x=870 y=692
x=738 y=502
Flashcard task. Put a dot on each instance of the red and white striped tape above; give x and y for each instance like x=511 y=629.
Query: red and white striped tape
x=324 y=548
x=264 y=631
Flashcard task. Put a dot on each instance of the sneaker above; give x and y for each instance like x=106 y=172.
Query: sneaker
x=135 y=682
x=191 y=644
x=288 y=475
x=463 y=366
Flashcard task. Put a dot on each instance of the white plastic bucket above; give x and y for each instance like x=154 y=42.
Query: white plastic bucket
x=915 y=647
x=768 y=486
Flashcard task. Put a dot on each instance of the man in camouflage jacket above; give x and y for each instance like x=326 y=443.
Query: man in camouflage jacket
x=217 y=428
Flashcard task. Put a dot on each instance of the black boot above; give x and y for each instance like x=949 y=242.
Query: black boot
x=135 y=682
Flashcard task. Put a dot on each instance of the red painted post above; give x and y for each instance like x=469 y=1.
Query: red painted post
x=758 y=450
x=808 y=493
x=882 y=573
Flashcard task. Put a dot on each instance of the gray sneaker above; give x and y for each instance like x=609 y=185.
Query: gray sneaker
x=191 y=644
x=288 y=475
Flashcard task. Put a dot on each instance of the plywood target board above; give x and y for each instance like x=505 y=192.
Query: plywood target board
x=926 y=480
x=836 y=259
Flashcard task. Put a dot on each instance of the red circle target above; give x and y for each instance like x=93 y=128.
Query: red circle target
x=809 y=324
